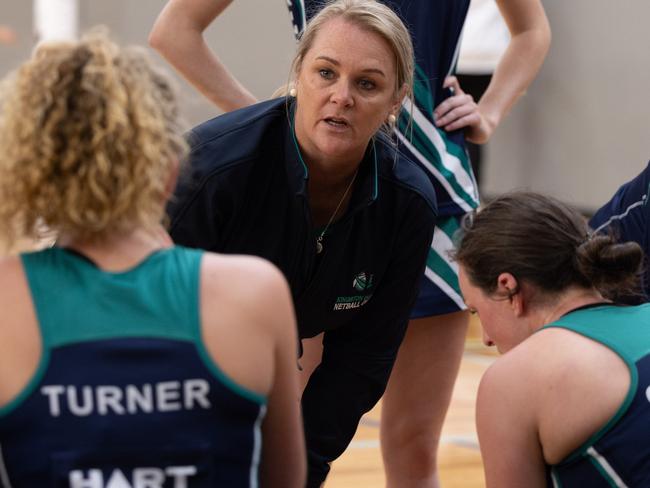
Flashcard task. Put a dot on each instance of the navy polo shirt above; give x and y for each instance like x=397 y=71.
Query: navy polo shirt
x=246 y=192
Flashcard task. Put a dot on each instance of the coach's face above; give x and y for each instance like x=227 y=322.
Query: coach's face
x=345 y=90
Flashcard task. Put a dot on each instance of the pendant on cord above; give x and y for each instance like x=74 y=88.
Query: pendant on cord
x=319 y=239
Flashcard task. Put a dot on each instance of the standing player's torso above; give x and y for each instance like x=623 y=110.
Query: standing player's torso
x=125 y=394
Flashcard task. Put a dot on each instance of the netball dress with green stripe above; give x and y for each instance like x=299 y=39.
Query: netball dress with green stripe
x=125 y=394
x=619 y=453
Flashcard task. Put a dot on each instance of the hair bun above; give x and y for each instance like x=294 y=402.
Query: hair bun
x=608 y=264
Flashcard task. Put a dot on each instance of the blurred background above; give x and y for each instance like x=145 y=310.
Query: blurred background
x=580 y=132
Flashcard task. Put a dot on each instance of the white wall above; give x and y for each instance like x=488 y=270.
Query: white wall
x=582 y=129
x=252 y=37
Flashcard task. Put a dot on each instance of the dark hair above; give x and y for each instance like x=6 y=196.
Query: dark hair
x=540 y=240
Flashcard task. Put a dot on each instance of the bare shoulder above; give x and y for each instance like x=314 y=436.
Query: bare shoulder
x=504 y=392
x=12 y=280
x=506 y=419
x=246 y=312
x=540 y=359
x=511 y=370
x=565 y=356
x=9 y=266
x=552 y=378
x=245 y=282
x=513 y=384
x=552 y=365
x=20 y=343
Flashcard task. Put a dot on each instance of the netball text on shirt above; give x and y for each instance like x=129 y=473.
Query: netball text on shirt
x=362 y=282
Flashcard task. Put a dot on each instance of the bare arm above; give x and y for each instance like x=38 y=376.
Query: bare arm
x=506 y=421
x=284 y=462
x=177 y=35
x=529 y=43
x=20 y=337
x=7 y=35
x=250 y=331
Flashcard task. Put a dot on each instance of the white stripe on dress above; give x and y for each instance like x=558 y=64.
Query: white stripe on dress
x=458 y=200
x=4 y=477
x=606 y=467
x=449 y=161
x=556 y=483
x=257 y=448
x=442 y=244
x=442 y=284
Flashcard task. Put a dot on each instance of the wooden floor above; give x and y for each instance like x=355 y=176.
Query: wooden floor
x=459 y=457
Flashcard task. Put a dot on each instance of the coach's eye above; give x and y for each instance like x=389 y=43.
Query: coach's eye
x=326 y=74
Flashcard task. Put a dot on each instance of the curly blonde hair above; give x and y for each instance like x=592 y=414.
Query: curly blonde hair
x=89 y=138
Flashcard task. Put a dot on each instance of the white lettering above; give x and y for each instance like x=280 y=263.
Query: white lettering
x=142 y=478
x=94 y=480
x=647 y=393
x=139 y=400
x=167 y=396
x=53 y=392
x=73 y=404
x=180 y=474
x=118 y=480
x=148 y=478
x=196 y=391
x=109 y=396
x=352 y=302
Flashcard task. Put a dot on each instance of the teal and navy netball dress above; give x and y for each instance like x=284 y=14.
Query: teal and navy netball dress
x=618 y=455
x=125 y=394
x=435 y=27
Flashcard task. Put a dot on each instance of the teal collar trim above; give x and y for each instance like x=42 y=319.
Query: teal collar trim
x=375 y=189
x=292 y=129
x=366 y=189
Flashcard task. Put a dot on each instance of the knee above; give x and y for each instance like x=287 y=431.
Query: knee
x=410 y=448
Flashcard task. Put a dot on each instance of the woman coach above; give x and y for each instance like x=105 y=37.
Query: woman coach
x=310 y=183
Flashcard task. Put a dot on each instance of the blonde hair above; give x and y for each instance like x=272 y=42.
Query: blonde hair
x=372 y=16
x=89 y=138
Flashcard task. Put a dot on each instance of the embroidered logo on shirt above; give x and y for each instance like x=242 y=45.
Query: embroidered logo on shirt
x=362 y=282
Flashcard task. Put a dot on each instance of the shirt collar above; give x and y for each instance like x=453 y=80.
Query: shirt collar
x=366 y=189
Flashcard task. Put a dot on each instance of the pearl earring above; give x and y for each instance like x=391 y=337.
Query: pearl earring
x=392 y=120
x=293 y=92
